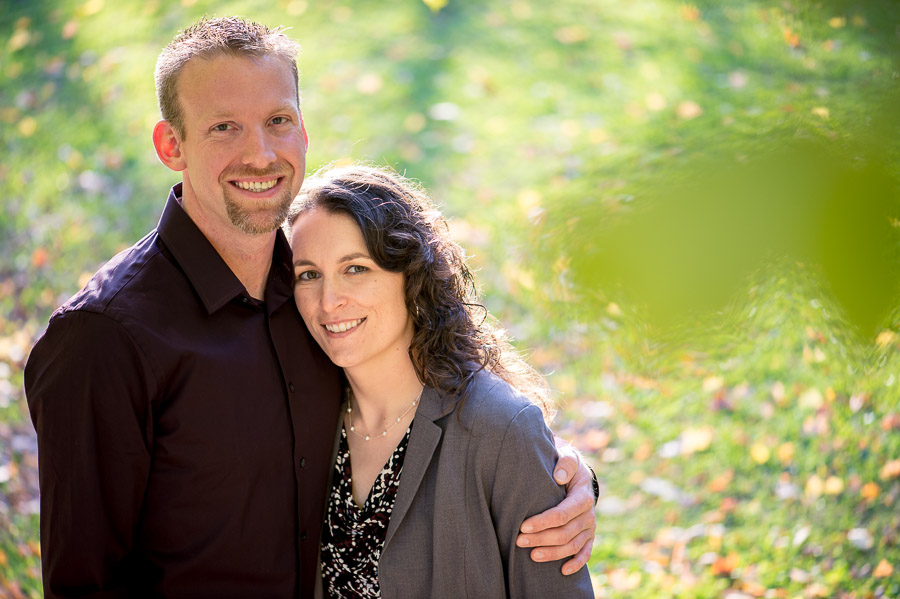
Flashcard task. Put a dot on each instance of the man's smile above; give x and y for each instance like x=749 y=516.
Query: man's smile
x=257 y=186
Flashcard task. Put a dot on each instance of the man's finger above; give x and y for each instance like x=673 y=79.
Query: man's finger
x=579 y=501
x=566 y=466
x=573 y=547
x=558 y=535
x=581 y=558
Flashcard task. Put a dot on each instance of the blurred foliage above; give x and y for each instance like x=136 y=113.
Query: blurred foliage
x=696 y=237
x=689 y=210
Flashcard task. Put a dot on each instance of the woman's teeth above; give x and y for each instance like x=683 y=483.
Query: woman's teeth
x=344 y=326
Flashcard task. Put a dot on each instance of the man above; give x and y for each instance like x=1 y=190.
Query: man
x=184 y=416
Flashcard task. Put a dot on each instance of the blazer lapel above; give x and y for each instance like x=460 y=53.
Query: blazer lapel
x=423 y=440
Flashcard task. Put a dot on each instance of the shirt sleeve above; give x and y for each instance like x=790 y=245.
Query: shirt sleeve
x=524 y=486
x=88 y=390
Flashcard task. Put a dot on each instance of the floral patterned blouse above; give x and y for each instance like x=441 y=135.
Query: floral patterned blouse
x=353 y=537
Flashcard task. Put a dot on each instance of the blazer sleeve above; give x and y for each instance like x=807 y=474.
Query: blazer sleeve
x=524 y=486
x=86 y=384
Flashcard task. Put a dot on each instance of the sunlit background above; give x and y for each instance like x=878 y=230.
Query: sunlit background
x=687 y=215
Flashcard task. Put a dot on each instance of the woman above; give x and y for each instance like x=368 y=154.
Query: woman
x=433 y=391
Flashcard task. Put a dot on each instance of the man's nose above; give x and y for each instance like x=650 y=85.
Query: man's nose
x=258 y=150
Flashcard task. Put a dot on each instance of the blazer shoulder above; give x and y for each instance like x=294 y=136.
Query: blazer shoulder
x=493 y=404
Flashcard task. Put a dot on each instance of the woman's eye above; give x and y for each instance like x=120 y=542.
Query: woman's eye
x=356 y=269
x=308 y=275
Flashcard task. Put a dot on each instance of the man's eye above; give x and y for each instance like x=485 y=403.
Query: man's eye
x=279 y=120
x=308 y=275
x=222 y=127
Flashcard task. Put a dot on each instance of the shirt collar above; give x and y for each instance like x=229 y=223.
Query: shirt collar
x=280 y=286
x=208 y=273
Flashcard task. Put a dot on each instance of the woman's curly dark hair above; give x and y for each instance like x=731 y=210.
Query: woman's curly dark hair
x=454 y=336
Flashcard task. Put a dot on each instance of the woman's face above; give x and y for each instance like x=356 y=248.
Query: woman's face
x=354 y=309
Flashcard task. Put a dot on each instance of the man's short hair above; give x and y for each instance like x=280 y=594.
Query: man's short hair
x=215 y=37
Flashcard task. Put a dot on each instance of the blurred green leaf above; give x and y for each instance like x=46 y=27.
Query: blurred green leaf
x=697 y=233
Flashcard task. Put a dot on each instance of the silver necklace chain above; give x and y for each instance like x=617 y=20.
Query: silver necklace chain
x=384 y=433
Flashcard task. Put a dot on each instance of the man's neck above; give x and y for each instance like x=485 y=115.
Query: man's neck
x=248 y=256
x=249 y=261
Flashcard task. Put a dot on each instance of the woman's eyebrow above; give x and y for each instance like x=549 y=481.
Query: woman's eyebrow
x=347 y=258
x=354 y=256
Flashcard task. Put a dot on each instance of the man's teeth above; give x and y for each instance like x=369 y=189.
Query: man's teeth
x=344 y=326
x=256 y=185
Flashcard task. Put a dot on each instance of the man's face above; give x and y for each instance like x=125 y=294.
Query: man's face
x=244 y=143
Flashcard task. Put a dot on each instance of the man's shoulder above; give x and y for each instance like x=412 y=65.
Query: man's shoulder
x=104 y=317
x=112 y=288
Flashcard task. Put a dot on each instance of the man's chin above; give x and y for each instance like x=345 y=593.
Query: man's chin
x=259 y=220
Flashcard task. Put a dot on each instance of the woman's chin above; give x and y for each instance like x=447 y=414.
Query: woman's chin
x=341 y=359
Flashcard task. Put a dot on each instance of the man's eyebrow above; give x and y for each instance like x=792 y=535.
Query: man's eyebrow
x=225 y=114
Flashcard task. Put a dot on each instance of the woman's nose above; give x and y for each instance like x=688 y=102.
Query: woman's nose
x=333 y=295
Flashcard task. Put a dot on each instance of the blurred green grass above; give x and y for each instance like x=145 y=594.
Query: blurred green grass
x=614 y=169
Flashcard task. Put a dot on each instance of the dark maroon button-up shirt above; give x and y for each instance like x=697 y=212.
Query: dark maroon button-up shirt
x=185 y=429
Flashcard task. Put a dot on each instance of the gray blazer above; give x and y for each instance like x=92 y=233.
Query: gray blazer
x=467 y=484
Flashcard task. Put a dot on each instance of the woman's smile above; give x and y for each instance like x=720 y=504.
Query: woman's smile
x=343 y=327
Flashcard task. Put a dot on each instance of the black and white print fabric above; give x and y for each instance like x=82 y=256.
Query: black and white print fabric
x=353 y=536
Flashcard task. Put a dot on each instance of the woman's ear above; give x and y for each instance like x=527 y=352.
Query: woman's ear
x=168 y=146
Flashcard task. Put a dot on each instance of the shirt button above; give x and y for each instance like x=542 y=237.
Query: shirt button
x=303 y=462
x=291 y=387
x=302 y=536
x=245 y=299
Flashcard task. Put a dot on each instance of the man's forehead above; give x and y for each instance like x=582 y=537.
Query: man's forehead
x=236 y=62
x=207 y=69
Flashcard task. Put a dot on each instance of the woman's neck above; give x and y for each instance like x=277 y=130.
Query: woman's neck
x=382 y=395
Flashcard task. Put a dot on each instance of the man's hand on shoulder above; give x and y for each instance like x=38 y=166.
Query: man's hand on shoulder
x=567 y=529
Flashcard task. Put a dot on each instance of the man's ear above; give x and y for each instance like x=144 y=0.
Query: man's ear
x=168 y=146
x=305 y=134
